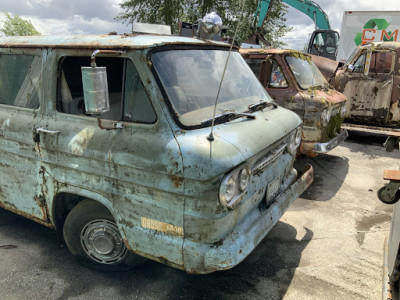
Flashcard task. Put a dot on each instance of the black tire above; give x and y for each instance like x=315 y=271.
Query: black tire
x=386 y=195
x=389 y=144
x=93 y=238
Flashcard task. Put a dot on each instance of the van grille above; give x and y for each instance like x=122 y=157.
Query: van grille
x=264 y=161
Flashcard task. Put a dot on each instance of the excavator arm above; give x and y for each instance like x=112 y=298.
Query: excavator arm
x=309 y=8
x=323 y=40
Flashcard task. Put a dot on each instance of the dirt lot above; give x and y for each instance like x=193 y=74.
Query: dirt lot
x=329 y=245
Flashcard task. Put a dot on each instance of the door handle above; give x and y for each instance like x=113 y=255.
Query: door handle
x=45 y=130
x=387 y=82
x=36 y=133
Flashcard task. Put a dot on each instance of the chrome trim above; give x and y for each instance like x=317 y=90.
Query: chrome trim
x=325 y=147
x=272 y=156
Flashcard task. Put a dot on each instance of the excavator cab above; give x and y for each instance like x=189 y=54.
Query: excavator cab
x=324 y=42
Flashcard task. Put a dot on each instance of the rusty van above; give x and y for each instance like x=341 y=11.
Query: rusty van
x=370 y=78
x=293 y=81
x=117 y=140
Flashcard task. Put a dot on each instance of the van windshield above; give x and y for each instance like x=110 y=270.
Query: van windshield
x=348 y=61
x=191 y=79
x=306 y=72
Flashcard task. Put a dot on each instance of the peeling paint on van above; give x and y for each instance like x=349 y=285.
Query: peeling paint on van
x=373 y=92
x=79 y=142
x=149 y=187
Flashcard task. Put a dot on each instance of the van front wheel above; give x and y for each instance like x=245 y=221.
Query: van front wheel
x=93 y=238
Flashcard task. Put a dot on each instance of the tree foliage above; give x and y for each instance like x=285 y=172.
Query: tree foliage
x=172 y=12
x=15 y=25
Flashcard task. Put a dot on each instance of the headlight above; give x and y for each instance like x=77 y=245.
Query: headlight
x=325 y=117
x=233 y=187
x=244 y=177
x=294 y=141
x=343 y=111
x=229 y=189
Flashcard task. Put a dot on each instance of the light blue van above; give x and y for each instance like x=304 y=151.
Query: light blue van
x=130 y=162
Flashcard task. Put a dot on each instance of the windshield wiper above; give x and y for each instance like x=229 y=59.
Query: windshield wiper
x=261 y=105
x=228 y=116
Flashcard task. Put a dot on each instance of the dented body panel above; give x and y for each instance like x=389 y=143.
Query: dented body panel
x=160 y=181
x=370 y=79
x=307 y=101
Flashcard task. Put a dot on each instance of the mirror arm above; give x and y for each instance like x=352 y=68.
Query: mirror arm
x=93 y=56
x=115 y=125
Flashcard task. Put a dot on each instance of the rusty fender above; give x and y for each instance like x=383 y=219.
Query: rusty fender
x=236 y=246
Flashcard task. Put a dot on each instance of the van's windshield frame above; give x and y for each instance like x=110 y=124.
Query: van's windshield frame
x=305 y=72
x=189 y=78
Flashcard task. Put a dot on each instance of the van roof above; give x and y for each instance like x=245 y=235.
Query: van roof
x=382 y=45
x=131 y=41
x=265 y=51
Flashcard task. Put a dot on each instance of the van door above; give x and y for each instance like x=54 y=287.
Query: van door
x=21 y=175
x=369 y=87
x=130 y=161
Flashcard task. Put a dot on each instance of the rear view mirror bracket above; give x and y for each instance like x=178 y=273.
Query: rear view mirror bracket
x=95 y=87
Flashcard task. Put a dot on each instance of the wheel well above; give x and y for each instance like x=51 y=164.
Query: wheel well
x=63 y=204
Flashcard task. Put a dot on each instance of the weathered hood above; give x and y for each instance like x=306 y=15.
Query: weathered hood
x=326 y=66
x=323 y=96
x=234 y=142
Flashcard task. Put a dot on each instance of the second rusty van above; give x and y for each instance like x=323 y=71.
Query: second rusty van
x=293 y=81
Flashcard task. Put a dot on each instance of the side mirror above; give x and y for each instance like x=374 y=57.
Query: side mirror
x=95 y=90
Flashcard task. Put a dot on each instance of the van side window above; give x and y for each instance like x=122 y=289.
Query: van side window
x=381 y=62
x=277 y=79
x=254 y=65
x=127 y=95
x=359 y=64
x=19 y=79
x=137 y=105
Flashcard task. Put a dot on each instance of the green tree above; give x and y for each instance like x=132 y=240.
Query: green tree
x=167 y=12
x=273 y=27
x=15 y=25
x=172 y=12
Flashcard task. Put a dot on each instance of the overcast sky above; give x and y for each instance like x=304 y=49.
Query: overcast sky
x=97 y=16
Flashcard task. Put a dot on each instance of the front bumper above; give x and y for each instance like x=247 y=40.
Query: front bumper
x=202 y=258
x=325 y=147
x=318 y=148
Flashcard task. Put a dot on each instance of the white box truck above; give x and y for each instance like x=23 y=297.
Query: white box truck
x=366 y=26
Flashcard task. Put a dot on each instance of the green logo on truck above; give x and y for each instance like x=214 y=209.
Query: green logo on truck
x=369 y=33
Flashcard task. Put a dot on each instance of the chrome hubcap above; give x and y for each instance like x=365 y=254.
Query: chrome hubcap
x=102 y=242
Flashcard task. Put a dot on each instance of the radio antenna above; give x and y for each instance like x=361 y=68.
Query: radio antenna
x=211 y=136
